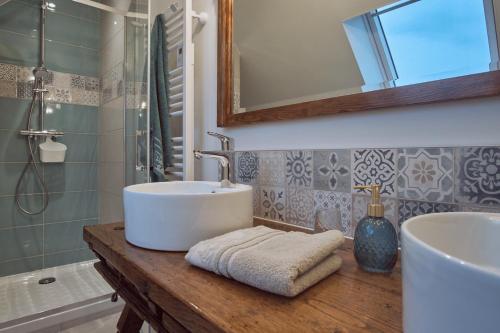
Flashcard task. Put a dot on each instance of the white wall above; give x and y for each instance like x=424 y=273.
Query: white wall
x=471 y=122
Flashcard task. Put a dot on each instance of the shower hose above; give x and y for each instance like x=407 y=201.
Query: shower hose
x=32 y=160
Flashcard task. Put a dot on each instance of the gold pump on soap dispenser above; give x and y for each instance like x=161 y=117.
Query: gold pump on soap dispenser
x=375 y=238
x=375 y=207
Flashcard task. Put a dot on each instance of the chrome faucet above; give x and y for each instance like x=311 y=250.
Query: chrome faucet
x=223 y=163
x=223 y=156
x=226 y=143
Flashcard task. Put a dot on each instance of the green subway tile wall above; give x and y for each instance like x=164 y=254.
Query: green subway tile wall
x=21 y=265
x=73 y=118
x=72 y=39
x=64 y=177
x=10 y=173
x=13 y=218
x=61 y=237
x=72 y=52
x=21 y=242
x=67 y=257
x=10 y=117
x=12 y=146
x=70 y=206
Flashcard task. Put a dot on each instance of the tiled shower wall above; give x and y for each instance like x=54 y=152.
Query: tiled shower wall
x=54 y=237
x=292 y=186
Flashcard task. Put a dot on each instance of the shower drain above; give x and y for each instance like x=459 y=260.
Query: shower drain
x=47 y=280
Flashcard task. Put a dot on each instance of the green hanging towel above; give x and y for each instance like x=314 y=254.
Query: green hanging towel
x=161 y=143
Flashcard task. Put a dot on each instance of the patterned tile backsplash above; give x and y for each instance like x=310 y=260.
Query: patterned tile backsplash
x=17 y=82
x=248 y=167
x=426 y=174
x=478 y=174
x=299 y=168
x=293 y=186
x=375 y=166
x=273 y=203
x=332 y=170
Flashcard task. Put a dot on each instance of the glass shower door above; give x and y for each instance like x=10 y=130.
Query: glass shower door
x=136 y=94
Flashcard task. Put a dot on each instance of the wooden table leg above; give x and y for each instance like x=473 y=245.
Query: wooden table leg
x=129 y=321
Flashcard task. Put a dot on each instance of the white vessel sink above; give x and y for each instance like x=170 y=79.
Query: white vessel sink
x=174 y=216
x=451 y=273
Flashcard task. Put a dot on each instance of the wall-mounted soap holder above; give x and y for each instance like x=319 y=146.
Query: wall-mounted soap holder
x=50 y=151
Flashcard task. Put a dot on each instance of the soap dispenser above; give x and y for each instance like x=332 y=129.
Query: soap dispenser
x=375 y=238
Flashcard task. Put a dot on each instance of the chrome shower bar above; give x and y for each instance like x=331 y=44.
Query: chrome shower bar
x=43 y=15
x=43 y=133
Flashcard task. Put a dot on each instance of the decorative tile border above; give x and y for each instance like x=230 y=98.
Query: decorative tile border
x=112 y=83
x=8 y=89
x=8 y=72
x=136 y=94
x=414 y=181
x=8 y=79
x=17 y=82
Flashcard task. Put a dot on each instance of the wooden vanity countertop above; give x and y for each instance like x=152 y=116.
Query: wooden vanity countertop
x=350 y=300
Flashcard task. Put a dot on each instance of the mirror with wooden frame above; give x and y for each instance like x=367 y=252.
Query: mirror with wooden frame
x=290 y=59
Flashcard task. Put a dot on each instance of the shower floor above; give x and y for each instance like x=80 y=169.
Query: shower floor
x=23 y=299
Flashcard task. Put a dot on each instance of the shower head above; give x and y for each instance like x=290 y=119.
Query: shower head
x=41 y=73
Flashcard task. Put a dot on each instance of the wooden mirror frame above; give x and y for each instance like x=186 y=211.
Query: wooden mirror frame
x=470 y=86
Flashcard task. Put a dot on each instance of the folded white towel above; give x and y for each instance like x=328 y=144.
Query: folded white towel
x=284 y=263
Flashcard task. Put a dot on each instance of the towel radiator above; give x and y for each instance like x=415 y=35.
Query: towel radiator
x=179 y=20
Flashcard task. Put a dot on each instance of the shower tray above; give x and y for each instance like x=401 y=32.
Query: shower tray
x=78 y=292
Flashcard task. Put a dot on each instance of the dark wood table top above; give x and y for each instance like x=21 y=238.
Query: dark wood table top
x=350 y=300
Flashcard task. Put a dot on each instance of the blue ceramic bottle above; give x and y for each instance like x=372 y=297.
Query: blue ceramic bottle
x=375 y=238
